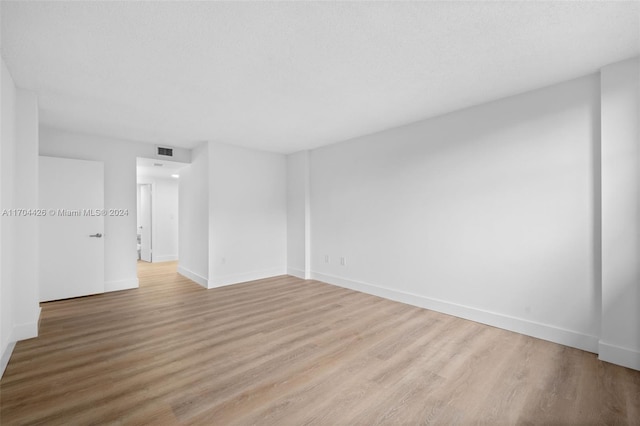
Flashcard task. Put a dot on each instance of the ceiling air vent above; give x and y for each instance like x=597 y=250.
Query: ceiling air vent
x=164 y=151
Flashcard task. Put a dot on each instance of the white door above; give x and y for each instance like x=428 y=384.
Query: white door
x=71 y=233
x=145 y=223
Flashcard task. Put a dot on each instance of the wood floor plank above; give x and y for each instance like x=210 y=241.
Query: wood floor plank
x=285 y=351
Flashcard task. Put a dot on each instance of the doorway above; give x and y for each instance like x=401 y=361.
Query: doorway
x=157 y=187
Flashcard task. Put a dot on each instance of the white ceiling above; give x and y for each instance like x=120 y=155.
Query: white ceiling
x=287 y=76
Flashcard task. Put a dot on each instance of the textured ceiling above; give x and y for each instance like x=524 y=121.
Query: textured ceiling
x=288 y=76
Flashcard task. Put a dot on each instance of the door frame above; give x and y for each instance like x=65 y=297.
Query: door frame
x=152 y=211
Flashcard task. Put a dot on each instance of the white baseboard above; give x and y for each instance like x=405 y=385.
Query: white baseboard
x=534 y=329
x=244 y=277
x=618 y=355
x=6 y=356
x=27 y=330
x=193 y=276
x=24 y=331
x=121 y=285
x=165 y=258
x=299 y=273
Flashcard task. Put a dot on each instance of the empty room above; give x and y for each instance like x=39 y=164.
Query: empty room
x=330 y=213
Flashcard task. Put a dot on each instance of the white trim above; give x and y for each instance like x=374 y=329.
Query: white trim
x=193 y=276
x=6 y=356
x=24 y=331
x=165 y=258
x=530 y=328
x=27 y=330
x=244 y=277
x=618 y=355
x=120 y=285
x=298 y=273
x=307 y=214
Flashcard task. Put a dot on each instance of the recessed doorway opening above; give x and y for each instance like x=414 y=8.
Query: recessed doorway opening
x=157 y=209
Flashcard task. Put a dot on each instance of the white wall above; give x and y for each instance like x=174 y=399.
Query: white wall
x=233 y=215
x=119 y=157
x=486 y=213
x=7 y=144
x=164 y=220
x=19 y=308
x=165 y=216
x=298 y=216
x=620 y=340
x=26 y=258
x=193 y=217
x=247 y=214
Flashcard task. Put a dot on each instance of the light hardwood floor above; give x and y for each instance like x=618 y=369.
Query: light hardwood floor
x=284 y=351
